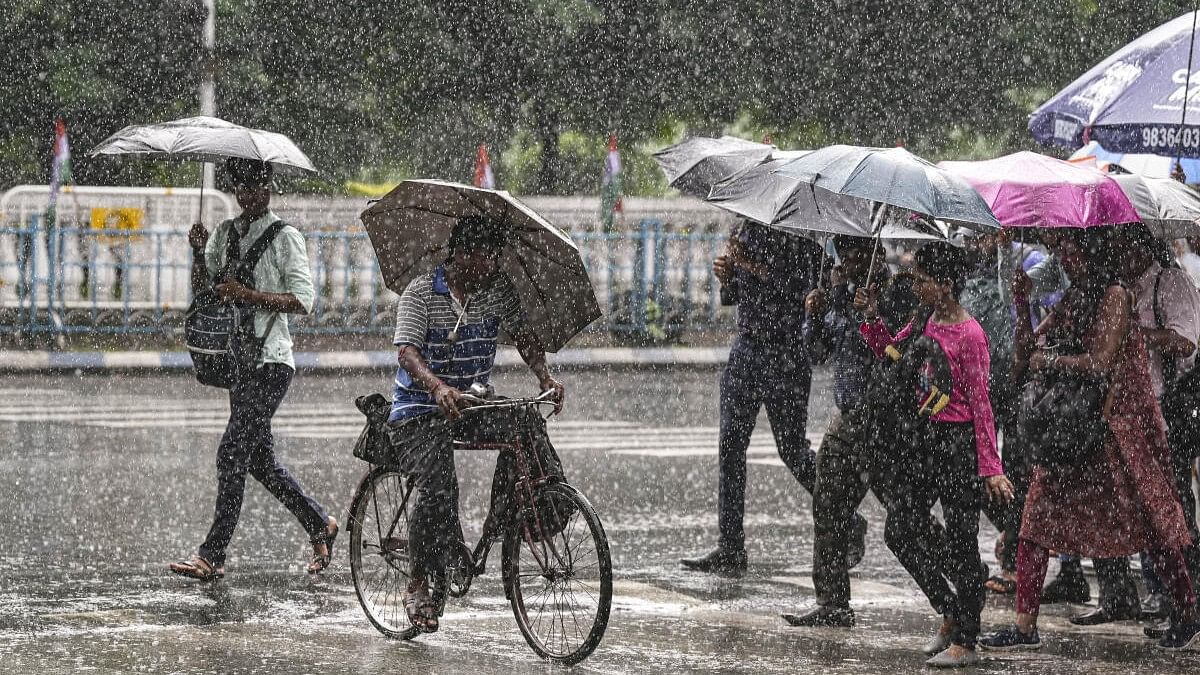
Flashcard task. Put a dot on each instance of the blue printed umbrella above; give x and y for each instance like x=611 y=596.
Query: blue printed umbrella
x=1145 y=98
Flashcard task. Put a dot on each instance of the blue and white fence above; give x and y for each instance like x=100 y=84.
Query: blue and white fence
x=653 y=282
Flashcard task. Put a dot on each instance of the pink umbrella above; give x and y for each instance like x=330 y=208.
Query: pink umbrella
x=1026 y=189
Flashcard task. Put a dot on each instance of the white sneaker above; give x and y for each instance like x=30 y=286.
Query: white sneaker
x=945 y=660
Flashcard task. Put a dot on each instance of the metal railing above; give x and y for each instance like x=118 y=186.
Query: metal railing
x=652 y=283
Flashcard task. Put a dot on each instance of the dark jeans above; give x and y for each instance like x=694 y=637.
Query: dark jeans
x=941 y=466
x=248 y=446
x=761 y=372
x=424 y=449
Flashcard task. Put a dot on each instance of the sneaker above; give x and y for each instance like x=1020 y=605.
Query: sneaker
x=1011 y=638
x=1069 y=586
x=858 y=542
x=834 y=617
x=1182 y=636
x=720 y=562
x=937 y=644
x=945 y=659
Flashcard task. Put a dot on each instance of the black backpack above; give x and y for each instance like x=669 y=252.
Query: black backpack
x=220 y=335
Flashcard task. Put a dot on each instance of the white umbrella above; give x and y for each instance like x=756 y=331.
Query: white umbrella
x=1166 y=206
x=410 y=229
x=206 y=139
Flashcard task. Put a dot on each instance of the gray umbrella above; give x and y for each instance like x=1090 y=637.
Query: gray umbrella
x=763 y=194
x=1169 y=208
x=410 y=228
x=895 y=177
x=205 y=139
x=693 y=166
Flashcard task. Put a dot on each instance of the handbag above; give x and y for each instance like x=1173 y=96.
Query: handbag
x=374 y=444
x=219 y=335
x=1064 y=413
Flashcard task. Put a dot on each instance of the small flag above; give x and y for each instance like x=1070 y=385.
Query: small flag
x=483 y=169
x=60 y=168
x=610 y=186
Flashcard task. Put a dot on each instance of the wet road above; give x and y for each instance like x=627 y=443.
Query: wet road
x=111 y=477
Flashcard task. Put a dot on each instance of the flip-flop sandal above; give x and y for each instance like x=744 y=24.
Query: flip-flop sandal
x=1001 y=586
x=421 y=609
x=319 y=562
x=197 y=568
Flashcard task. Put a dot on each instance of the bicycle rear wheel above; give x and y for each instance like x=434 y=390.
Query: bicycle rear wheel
x=379 y=553
x=558 y=575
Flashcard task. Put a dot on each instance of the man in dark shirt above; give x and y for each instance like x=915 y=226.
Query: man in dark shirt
x=767 y=273
x=832 y=330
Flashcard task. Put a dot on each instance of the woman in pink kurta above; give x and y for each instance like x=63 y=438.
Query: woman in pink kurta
x=1121 y=500
x=951 y=461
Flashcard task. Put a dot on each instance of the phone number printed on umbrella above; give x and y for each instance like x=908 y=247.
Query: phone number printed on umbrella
x=1169 y=137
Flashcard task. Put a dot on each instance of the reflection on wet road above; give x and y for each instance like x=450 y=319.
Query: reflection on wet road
x=113 y=477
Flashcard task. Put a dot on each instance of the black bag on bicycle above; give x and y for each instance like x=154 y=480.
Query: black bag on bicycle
x=220 y=335
x=374 y=444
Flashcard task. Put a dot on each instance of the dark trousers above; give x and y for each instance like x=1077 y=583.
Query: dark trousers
x=248 y=447
x=761 y=372
x=941 y=467
x=1007 y=517
x=424 y=449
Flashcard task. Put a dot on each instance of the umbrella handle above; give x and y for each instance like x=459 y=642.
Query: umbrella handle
x=200 y=212
x=878 y=227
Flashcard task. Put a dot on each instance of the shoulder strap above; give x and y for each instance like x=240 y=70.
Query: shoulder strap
x=260 y=245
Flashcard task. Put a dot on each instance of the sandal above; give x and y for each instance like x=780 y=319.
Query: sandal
x=197 y=568
x=320 y=561
x=421 y=608
x=1000 y=585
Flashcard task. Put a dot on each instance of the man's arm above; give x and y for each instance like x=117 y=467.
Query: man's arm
x=534 y=356
x=293 y=263
x=198 y=240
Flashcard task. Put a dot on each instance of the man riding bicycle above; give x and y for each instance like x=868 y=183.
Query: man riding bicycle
x=448 y=323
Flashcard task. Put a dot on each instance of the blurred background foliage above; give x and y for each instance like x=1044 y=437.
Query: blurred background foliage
x=378 y=91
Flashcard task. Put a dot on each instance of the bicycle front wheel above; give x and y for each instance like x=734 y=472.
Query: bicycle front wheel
x=558 y=575
x=380 y=562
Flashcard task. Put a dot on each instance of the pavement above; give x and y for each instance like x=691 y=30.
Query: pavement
x=109 y=476
x=15 y=361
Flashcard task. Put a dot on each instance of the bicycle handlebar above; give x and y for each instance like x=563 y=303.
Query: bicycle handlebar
x=544 y=398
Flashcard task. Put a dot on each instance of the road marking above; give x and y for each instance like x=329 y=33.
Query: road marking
x=313 y=421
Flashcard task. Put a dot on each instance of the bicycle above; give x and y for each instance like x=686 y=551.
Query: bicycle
x=556 y=567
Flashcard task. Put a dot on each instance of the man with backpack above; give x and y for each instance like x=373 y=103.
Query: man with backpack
x=259 y=264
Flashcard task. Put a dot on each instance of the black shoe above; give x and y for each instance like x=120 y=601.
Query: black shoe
x=858 y=542
x=1154 y=607
x=1102 y=616
x=1011 y=638
x=1157 y=631
x=1181 y=636
x=1069 y=586
x=720 y=562
x=836 y=617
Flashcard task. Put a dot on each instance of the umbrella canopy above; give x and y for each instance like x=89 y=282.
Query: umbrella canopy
x=1150 y=166
x=895 y=177
x=410 y=228
x=693 y=166
x=1026 y=189
x=1133 y=101
x=206 y=139
x=1169 y=208
x=762 y=194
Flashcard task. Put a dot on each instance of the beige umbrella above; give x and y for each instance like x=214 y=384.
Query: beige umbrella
x=410 y=228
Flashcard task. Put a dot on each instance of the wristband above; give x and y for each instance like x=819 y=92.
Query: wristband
x=439 y=385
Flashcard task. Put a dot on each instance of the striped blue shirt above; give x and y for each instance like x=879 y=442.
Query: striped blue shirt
x=428 y=314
